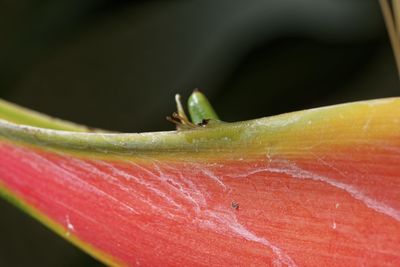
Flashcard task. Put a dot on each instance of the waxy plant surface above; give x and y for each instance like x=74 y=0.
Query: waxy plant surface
x=311 y=188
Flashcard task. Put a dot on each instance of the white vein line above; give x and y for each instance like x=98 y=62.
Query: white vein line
x=296 y=172
x=148 y=186
x=230 y=221
x=213 y=177
x=323 y=162
x=79 y=182
x=248 y=235
x=162 y=176
x=165 y=178
x=111 y=179
x=186 y=188
x=199 y=195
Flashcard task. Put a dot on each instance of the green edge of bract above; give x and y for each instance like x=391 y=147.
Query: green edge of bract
x=20 y=115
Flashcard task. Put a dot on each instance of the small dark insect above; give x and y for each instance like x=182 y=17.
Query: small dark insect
x=235 y=205
x=203 y=123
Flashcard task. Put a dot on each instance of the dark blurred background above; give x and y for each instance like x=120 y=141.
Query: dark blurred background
x=116 y=64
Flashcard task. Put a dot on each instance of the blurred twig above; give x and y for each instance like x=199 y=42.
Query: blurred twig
x=396 y=11
x=392 y=24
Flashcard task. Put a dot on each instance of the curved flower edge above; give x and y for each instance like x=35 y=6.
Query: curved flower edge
x=290 y=138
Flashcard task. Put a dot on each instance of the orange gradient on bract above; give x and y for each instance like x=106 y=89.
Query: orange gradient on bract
x=340 y=208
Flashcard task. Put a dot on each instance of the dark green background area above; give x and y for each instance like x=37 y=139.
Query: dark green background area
x=117 y=65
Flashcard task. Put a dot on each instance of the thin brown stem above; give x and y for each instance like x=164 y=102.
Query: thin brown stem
x=393 y=36
x=396 y=11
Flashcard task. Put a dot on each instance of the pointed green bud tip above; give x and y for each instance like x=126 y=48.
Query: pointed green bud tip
x=200 y=108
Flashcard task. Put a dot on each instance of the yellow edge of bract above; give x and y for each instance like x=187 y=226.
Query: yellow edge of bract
x=340 y=125
x=55 y=227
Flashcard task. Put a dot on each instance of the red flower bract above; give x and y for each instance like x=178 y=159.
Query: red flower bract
x=302 y=189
